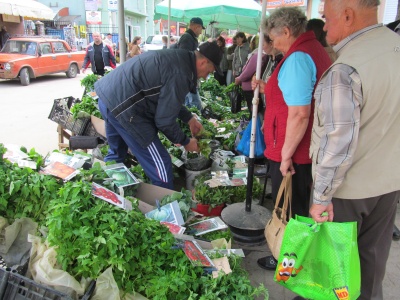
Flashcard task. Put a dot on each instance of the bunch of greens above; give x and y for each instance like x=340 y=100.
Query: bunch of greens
x=235 y=285
x=238 y=193
x=213 y=87
x=217 y=234
x=92 y=235
x=204 y=138
x=139 y=173
x=171 y=148
x=232 y=87
x=88 y=82
x=24 y=192
x=212 y=196
x=87 y=105
x=185 y=201
x=185 y=127
x=229 y=143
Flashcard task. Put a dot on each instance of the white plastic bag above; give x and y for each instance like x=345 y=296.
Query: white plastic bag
x=107 y=289
x=44 y=269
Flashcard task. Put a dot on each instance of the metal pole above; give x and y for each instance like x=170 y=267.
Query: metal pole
x=169 y=25
x=121 y=31
x=250 y=172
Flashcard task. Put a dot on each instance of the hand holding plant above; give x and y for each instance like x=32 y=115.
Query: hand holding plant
x=195 y=126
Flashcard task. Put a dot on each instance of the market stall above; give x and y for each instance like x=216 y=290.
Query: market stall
x=97 y=222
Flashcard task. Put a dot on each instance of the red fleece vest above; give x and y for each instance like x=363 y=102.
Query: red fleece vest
x=276 y=112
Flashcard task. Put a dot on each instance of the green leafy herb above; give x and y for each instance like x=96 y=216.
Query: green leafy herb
x=87 y=105
x=88 y=81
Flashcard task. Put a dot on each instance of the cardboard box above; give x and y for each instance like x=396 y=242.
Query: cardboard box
x=147 y=195
x=99 y=125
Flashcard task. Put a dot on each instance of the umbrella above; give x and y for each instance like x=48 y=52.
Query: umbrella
x=244 y=15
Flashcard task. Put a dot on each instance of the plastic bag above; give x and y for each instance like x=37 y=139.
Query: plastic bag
x=236 y=98
x=320 y=261
x=244 y=145
x=44 y=269
x=219 y=160
x=198 y=163
x=14 y=247
x=239 y=130
x=107 y=289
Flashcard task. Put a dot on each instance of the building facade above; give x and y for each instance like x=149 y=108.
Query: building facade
x=83 y=17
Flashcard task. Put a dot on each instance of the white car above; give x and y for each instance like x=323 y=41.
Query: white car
x=154 y=42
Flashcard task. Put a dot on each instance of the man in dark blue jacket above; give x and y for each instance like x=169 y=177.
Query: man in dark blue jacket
x=189 y=41
x=99 y=55
x=146 y=95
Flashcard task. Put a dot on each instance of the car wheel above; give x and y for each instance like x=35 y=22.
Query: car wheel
x=72 y=71
x=24 y=76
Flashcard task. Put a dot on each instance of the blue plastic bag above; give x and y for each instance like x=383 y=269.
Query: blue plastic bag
x=244 y=144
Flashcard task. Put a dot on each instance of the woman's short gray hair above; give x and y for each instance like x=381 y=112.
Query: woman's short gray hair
x=290 y=17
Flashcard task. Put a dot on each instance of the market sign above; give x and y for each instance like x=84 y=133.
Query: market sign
x=93 y=17
x=91 y=5
x=112 y=5
x=277 y=3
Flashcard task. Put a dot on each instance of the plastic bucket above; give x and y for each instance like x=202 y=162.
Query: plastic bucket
x=205 y=210
x=191 y=176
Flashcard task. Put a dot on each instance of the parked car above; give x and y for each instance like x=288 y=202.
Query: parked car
x=32 y=57
x=154 y=42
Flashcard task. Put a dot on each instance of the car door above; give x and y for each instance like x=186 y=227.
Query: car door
x=47 y=59
x=63 y=56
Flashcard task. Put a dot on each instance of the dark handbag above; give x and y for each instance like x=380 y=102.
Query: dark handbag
x=236 y=98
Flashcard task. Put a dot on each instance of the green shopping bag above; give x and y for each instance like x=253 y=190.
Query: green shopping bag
x=320 y=261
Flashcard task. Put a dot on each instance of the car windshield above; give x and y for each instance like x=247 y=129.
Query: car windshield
x=154 y=39
x=20 y=47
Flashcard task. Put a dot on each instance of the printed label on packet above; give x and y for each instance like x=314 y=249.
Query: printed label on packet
x=342 y=293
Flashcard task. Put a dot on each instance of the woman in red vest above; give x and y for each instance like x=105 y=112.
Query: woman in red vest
x=289 y=110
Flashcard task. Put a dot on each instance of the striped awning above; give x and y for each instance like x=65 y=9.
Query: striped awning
x=28 y=9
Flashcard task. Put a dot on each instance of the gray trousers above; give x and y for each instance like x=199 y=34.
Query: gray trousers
x=375 y=219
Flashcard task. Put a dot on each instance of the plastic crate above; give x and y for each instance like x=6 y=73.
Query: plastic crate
x=19 y=287
x=90 y=131
x=60 y=113
x=4 y=274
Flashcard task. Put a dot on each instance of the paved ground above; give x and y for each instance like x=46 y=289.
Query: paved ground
x=391 y=284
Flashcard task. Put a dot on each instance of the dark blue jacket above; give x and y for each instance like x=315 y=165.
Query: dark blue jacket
x=188 y=41
x=108 y=57
x=146 y=94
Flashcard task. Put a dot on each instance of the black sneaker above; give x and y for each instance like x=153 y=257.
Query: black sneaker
x=267 y=263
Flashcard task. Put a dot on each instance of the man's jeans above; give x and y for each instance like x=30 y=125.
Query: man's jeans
x=154 y=159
